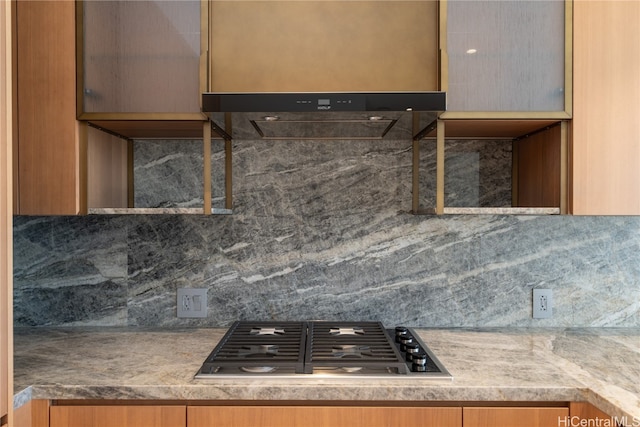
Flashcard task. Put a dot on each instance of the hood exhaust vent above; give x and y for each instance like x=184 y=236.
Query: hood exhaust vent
x=321 y=115
x=324 y=126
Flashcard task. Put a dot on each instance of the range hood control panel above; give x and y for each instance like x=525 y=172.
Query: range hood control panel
x=320 y=101
x=335 y=103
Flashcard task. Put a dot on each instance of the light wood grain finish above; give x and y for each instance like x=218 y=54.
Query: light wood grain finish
x=493 y=129
x=589 y=413
x=34 y=413
x=153 y=129
x=321 y=416
x=606 y=108
x=283 y=46
x=118 y=416
x=510 y=417
x=108 y=170
x=6 y=212
x=49 y=171
x=538 y=163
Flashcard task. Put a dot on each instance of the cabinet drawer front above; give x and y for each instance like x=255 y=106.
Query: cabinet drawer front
x=318 y=416
x=118 y=416
x=509 y=417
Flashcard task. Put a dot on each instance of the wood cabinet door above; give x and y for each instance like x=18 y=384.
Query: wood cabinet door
x=322 y=416
x=118 y=416
x=34 y=413
x=6 y=211
x=509 y=417
x=587 y=413
x=606 y=107
x=50 y=158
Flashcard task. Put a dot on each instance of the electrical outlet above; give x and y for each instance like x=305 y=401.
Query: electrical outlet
x=192 y=302
x=542 y=303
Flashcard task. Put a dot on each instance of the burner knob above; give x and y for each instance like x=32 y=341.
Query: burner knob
x=412 y=348
x=404 y=341
x=401 y=331
x=419 y=361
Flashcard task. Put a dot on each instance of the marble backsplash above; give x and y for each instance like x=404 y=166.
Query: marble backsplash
x=322 y=230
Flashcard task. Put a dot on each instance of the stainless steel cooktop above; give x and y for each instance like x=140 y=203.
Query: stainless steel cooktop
x=321 y=348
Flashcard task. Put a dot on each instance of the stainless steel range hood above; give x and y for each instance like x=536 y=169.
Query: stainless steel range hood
x=323 y=115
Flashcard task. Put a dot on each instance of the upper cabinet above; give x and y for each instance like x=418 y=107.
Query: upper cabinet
x=141 y=69
x=507 y=70
x=140 y=57
x=90 y=77
x=49 y=171
x=606 y=127
x=506 y=57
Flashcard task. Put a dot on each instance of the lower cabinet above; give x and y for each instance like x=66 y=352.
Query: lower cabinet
x=117 y=416
x=322 y=416
x=510 y=417
x=586 y=414
x=34 y=413
x=43 y=413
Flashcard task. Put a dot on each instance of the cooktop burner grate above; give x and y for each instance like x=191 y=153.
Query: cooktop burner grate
x=361 y=345
x=259 y=346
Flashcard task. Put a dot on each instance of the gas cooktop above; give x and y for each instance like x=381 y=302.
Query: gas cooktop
x=320 y=348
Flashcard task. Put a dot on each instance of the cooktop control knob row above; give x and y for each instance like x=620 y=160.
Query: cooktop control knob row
x=414 y=354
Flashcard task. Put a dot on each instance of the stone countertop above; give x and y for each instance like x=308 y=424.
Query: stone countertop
x=600 y=366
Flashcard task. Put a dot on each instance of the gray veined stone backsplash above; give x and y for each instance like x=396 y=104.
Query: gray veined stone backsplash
x=321 y=230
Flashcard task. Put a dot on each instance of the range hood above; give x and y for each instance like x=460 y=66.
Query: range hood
x=223 y=102
x=322 y=115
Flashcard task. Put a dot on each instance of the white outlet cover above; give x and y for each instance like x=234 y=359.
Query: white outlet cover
x=191 y=302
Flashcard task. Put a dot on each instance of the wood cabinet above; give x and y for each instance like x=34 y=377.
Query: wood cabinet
x=109 y=166
x=507 y=69
x=50 y=167
x=6 y=202
x=117 y=416
x=53 y=151
x=114 y=86
x=42 y=413
x=605 y=128
x=64 y=166
x=141 y=68
x=531 y=178
x=600 y=165
x=509 y=417
x=584 y=413
x=539 y=168
x=322 y=416
x=34 y=413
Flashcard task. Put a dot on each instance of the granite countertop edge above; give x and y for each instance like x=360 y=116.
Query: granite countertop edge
x=596 y=365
